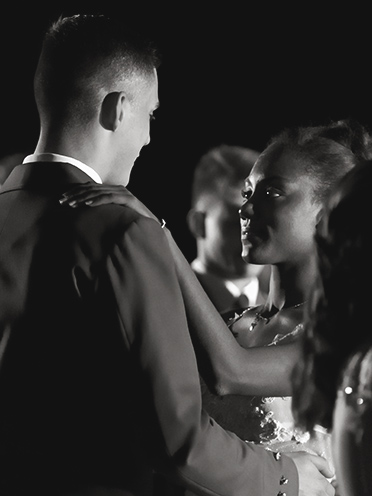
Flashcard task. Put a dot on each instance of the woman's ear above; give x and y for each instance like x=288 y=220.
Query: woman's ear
x=196 y=223
x=112 y=110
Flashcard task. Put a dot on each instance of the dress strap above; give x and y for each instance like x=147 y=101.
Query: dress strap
x=281 y=337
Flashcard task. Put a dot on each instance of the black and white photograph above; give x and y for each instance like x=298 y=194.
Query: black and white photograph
x=184 y=246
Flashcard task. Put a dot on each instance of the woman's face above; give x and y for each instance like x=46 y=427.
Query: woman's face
x=279 y=213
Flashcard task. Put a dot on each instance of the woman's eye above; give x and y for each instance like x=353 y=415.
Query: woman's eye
x=272 y=192
x=246 y=194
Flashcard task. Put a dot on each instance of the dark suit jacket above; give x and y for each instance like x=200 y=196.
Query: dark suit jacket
x=98 y=379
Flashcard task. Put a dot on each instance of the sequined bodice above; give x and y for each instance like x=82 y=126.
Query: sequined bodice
x=266 y=420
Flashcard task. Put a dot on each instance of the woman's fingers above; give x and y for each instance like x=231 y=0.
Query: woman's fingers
x=95 y=194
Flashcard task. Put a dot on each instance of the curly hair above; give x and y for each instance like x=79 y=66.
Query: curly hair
x=336 y=320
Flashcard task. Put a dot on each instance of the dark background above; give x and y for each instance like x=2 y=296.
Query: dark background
x=232 y=72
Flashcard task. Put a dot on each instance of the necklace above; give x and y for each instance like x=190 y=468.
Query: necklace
x=258 y=316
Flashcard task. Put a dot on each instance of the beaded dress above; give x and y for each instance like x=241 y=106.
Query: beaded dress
x=266 y=420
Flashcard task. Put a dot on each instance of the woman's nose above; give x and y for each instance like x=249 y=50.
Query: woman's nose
x=246 y=210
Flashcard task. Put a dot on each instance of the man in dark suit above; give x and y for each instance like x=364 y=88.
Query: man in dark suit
x=98 y=379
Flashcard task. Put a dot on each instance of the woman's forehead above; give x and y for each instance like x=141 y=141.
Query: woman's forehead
x=278 y=163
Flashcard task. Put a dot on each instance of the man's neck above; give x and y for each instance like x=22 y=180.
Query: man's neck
x=222 y=273
x=53 y=157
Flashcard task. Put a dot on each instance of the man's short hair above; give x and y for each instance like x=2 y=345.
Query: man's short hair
x=221 y=167
x=83 y=55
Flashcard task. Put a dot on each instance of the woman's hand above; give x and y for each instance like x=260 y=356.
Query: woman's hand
x=227 y=368
x=94 y=194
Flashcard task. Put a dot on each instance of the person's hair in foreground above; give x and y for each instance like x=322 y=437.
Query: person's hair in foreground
x=333 y=383
x=335 y=318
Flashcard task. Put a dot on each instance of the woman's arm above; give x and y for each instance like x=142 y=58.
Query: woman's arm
x=226 y=367
x=224 y=364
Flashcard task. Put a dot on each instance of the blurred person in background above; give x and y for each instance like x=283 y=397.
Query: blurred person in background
x=213 y=220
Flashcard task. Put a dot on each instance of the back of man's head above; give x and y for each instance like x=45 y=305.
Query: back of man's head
x=221 y=168
x=83 y=58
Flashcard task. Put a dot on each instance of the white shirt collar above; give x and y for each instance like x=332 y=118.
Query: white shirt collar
x=250 y=287
x=55 y=157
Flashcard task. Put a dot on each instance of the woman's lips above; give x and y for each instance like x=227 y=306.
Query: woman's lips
x=248 y=233
x=244 y=229
x=244 y=234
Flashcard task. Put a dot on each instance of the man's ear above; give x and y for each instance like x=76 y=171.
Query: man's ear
x=196 y=223
x=112 y=110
